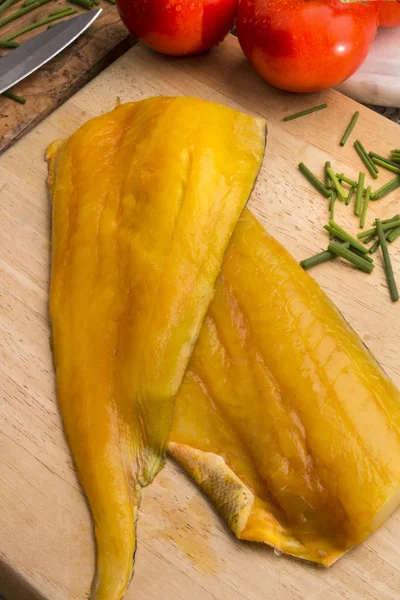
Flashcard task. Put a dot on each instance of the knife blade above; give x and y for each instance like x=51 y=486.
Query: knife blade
x=29 y=57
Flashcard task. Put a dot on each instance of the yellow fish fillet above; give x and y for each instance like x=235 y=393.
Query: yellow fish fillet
x=145 y=200
x=284 y=418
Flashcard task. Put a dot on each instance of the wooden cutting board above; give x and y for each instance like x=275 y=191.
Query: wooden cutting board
x=104 y=41
x=184 y=552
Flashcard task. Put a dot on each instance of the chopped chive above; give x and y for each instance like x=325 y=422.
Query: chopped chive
x=384 y=162
x=393 y=234
x=363 y=154
x=365 y=207
x=68 y=10
x=316 y=260
x=362 y=254
x=319 y=258
x=96 y=2
x=341 y=177
x=385 y=226
x=83 y=3
x=360 y=189
x=373 y=235
x=303 y=113
x=377 y=243
x=386 y=165
x=350 y=128
x=12 y=96
x=28 y=2
x=346 y=237
x=386 y=189
x=394 y=294
x=6 y=4
x=4 y=44
x=369 y=239
x=328 y=180
x=38 y=24
x=22 y=11
x=353 y=258
x=314 y=180
x=349 y=197
x=111 y=1
x=395 y=154
x=336 y=184
x=332 y=204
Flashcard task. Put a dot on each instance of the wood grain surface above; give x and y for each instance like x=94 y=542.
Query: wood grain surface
x=184 y=550
x=104 y=41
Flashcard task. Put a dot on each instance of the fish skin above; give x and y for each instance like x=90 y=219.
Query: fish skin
x=144 y=199
x=283 y=397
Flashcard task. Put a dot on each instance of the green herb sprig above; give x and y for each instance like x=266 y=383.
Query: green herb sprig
x=303 y=113
x=317 y=183
x=22 y=11
x=350 y=128
x=66 y=13
x=358 y=261
x=362 y=153
x=394 y=293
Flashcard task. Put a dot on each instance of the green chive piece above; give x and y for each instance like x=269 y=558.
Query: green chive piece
x=374 y=247
x=111 y=1
x=353 y=258
x=314 y=180
x=393 y=234
x=394 y=294
x=386 y=189
x=391 y=224
x=349 y=197
x=319 y=258
x=359 y=195
x=369 y=239
x=377 y=243
x=328 y=180
x=385 y=162
x=332 y=204
x=4 y=44
x=28 y=2
x=350 y=128
x=14 y=97
x=362 y=254
x=60 y=11
x=395 y=155
x=365 y=207
x=341 y=177
x=374 y=234
x=303 y=113
x=88 y=4
x=5 y=5
x=336 y=184
x=22 y=11
x=395 y=218
x=316 y=260
x=38 y=24
x=363 y=154
x=346 y=237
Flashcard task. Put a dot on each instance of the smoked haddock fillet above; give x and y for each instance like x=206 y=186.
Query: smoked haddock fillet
x=145 y=200
x=284 y=418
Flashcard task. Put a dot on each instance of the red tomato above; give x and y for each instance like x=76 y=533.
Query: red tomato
x=389 y=13
x=178 y=27
x=306 y=45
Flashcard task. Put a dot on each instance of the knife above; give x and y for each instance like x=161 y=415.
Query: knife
x=26 y=59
